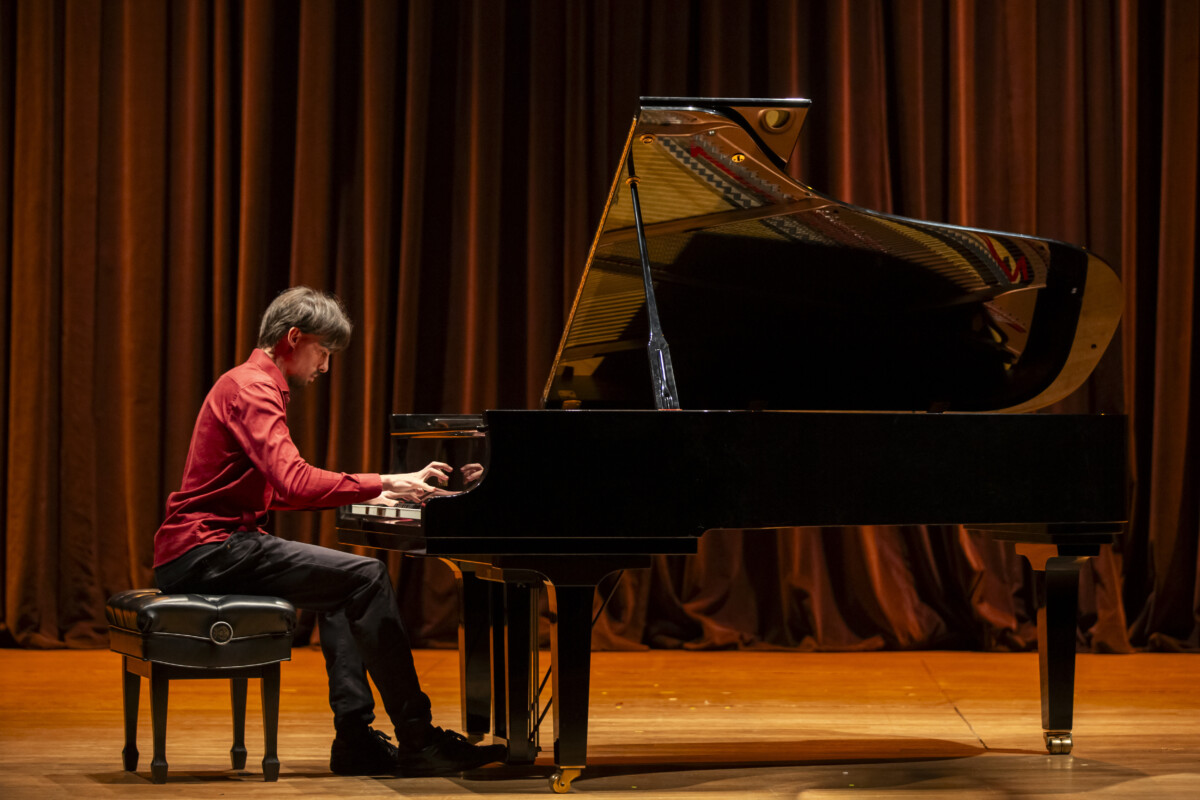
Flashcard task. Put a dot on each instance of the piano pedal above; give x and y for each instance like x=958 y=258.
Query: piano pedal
x=1058 y=743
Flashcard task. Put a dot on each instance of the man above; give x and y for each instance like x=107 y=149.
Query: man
x=242 y=463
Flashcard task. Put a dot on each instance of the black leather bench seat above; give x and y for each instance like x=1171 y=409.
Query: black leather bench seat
x=196 y=630
x=165 y=637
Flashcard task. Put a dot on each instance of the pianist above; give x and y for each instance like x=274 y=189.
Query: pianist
x=242 y=463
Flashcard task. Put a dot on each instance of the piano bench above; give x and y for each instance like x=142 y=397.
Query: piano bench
x=165 y=637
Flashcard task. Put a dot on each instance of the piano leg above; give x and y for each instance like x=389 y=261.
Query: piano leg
x=521 y=667
x=571 y=586
x=474 y=652
x=1056 y=650
x=499 y=689
x=570 y=658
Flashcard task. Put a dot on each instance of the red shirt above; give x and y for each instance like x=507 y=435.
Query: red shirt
x=242 y=463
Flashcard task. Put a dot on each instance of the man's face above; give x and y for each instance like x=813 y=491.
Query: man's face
x=307 y=359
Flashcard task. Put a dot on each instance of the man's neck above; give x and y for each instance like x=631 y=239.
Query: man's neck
x=279 y=360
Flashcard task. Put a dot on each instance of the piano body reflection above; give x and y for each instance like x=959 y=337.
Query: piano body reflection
x=864 y=368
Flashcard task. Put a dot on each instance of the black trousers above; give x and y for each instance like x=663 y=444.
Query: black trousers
x=360 y=626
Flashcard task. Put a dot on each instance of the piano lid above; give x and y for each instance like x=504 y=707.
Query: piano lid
x=773 y=295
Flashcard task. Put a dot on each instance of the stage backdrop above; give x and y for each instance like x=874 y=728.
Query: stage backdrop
x=167 y=168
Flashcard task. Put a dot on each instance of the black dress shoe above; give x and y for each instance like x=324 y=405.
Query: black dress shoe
x=367 y=753
x=447 y=752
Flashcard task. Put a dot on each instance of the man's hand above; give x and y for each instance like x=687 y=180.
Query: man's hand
x=472 y=472
x=414 y=486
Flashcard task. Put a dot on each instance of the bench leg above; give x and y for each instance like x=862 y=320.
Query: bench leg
x=159 y=686
x=237 y=694
x=270 y=712
x=131 y=687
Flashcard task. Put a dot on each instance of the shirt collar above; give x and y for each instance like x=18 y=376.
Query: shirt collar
x=260 y=359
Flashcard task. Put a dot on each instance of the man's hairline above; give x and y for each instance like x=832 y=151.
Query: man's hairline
x=328 y=345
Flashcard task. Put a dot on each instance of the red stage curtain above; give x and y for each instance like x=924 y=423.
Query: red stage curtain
x=167 y=168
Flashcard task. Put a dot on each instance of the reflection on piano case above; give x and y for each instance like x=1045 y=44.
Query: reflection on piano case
x=865 y=366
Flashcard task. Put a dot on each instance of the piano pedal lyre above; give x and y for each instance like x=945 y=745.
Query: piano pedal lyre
x=560 y=781
x=1058 y=743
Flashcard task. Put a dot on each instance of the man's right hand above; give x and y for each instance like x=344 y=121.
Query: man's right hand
x=414 y=486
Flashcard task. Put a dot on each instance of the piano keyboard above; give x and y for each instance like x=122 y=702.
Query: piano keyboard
x=400 y=511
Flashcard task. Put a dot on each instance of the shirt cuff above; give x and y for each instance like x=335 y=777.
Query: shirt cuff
x=371 y=483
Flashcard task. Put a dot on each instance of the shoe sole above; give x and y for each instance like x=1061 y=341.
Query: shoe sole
x=411 y=770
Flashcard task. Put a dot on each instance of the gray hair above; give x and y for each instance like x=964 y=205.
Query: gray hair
x=313 y=312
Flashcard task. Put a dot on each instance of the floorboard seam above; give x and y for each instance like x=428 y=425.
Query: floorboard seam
x=954 y=705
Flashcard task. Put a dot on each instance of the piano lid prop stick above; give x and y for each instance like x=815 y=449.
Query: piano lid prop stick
x=662 y=374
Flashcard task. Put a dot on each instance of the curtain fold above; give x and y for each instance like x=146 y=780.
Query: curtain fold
x=166 y=169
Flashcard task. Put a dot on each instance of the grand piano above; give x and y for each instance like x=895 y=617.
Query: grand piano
x=858 y=368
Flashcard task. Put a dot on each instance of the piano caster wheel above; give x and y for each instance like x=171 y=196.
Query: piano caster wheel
x=1058 y=743
x=560 y=781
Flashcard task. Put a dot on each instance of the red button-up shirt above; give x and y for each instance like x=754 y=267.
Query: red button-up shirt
x=242 y=463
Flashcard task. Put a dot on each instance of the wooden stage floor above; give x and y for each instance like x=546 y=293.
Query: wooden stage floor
x=664 y=725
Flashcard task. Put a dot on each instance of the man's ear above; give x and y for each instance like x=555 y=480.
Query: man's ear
x=293 y=337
